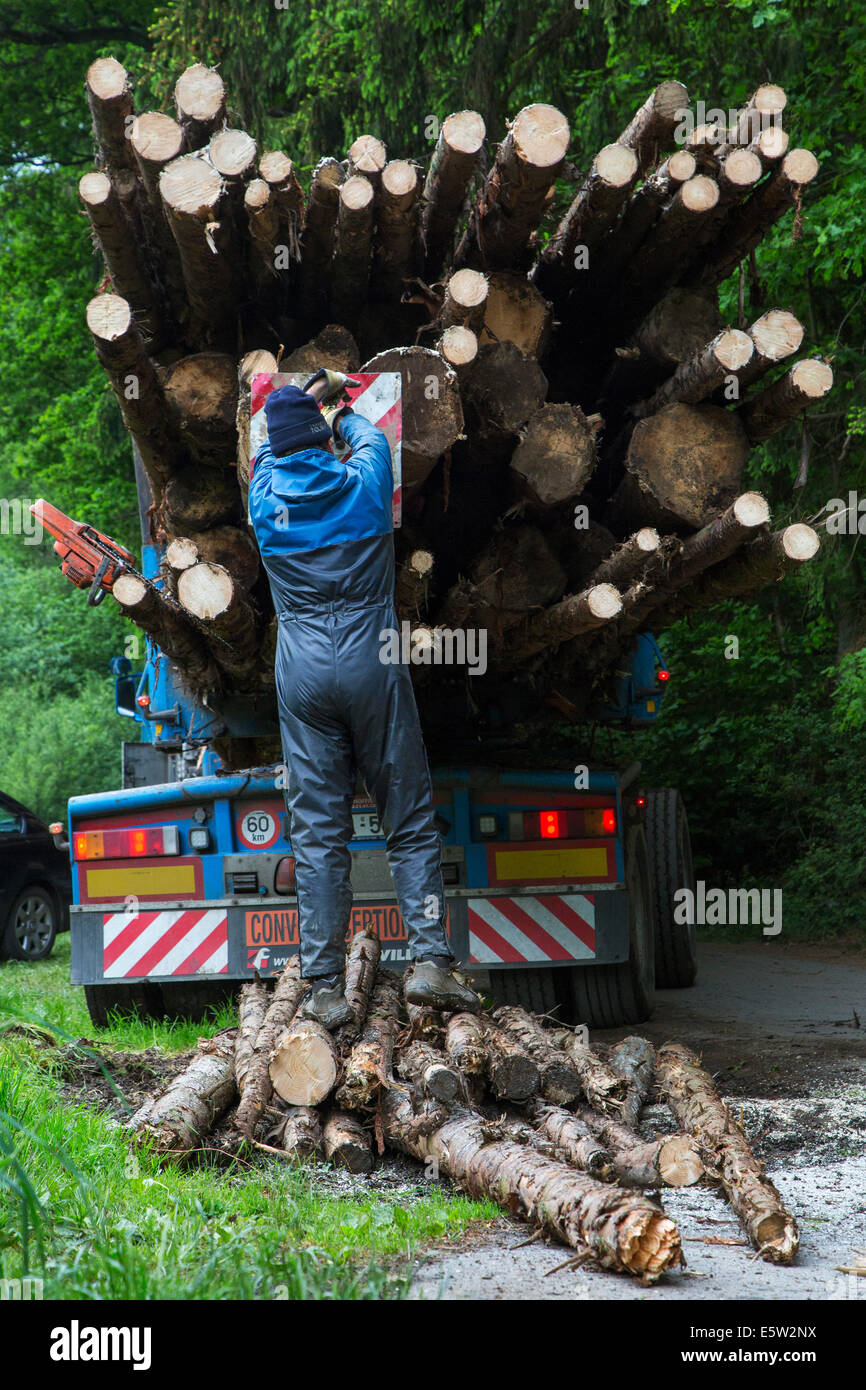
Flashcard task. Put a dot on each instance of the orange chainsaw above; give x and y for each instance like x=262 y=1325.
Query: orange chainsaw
x=89 y=560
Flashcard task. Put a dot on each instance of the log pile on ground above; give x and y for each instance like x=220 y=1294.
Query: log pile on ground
x=507 y=1105
x=577 y=419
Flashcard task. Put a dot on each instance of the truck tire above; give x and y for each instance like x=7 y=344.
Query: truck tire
x=533 y=988
x=607 y=996
x=194 y=1001
x=102 y=1000
x=670 y=856
x=31 y=925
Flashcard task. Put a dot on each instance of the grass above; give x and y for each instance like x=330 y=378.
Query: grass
x=95 y=1219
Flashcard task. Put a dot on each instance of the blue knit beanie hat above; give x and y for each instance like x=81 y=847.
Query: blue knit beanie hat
x=295 y=422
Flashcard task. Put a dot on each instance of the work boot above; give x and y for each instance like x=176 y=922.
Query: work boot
x=327 y=1002
x=434 y=983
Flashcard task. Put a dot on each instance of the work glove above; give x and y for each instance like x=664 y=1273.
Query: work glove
x=335 y=384
x=333 y=417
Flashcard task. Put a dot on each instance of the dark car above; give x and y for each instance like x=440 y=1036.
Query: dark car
x=35 y=884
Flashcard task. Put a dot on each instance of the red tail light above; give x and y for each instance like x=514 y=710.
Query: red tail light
x=551 y=825
x=663 y=675
x=608 y=821
x=138 y=842
x=568 y=823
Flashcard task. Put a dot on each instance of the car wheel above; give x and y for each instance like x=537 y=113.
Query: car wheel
x=31 y=925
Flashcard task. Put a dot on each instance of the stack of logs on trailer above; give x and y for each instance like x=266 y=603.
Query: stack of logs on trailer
x=576 y=419
x=505 y=1106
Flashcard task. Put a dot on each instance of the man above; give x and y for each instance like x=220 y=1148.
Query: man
x=325 y=532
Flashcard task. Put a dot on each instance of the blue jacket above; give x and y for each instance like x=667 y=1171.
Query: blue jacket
x=325 y=528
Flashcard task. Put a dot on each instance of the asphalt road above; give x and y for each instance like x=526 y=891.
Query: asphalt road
x=783 y=1030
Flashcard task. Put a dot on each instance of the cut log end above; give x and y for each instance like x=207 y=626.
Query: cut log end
x=777 y=334
x=107 y=79
x=464 y=132
x=700 y=194
x=109 y=317
x=751 y=509
x=199 y=93
x=399 y=178
x=303 y=1065
x=604 y=601
x=156 y=138
x=799 y=542
x=191 y=185
x=129 y=590
x=616 y=165
x=356 y=193
x=206 y=591
x=458 y=345
x=742 y=168
x=813 y=378
x=800 y=167
x=232 y=153
x=647 y=539
x=367 y=155
x=540 y=134
x=682 y=166
x=468 y=288
x=94 y=188
x=679 y=1163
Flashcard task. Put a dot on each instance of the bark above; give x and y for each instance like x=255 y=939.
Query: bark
x=515 y=574
x=590 y=217
x=750 y=222
x=465 y=300
x=517 y=190
x=289 y=991
x=156 y=140
x=304 y=1064
x=653 y=126
x=572 y=1139
x=683 y=464
x=453 y=163
x=134 y=381
x=192 y=192
x=362 y=962
x=671 y=1161
x=397 y=227
x=170 y=628
x=560 y=1081
x=318 y=238
x=678 y=327
x=603 y=1088
x=703 y=373
x=515 y=312
x=432 y=413
x=667 y=248
x=504 y=388
x=115 y=236
x=621 y=1231
x=368 y=1068
x=424 y=1023
x=350 y=269
x=466 y=1044
x=779 y=404
x=641 y=213
x=761 y=562
x=512 y=1073
x=633 y=1059
x=263 y=221
x=184 y=1114
x=200 y=100
x=556 y=455
x=252 y=1007
x=201 y=398
x=761 y=115
x=209 y=593
x=431 y=1074
x=301 y=1133
x=347 y=1143
x=726 y=1154
x=109 y=97
x=195 y=500
x=281 y=177
x=572 y=616
x=628 y=563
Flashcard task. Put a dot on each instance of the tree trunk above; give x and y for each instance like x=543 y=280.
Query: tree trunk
x=412 y=583
x=196 y=499
x=515 y=312
x=200 y=99
x=116 y=240
x=350 y=269
x=555 y=457
x=397 y=227
x=179 y=1119
x=761 y=114
x=746 y=226
x=318 y=238
x=432 y=413
x=703 y=373
x=121 y=351
x=424 y=1023
x=201 y=397
x=263 y=220
x=347 y=1143
x=192 y=191
x=777 y=405
x=368 y=1069
x=431 y=1075
x=517 y=191
x=466 y=1044
x=109 y=96
x=683 y=465
x=726 y=1154
x=629 y=561
x=512 y=1073
x=252 y=1007
x=653 y=126
x=156 y=140
x=573 y=615
x=301 y=1133
x=209 y=593
x=671 y=1161
x=560 y=1081
x=504 y=388
x=633 y=1059
x=362 y=962
x=603 y=1088
x=621 y=1231
x=451 y=168
x=290 y=990
x=465 y=300
x=572 y=1140
x=661 y=257
x=588 y=220
x=761 y=562
x=304 y=1064
x=516 y=574
x=640 y=215
x=334 y=347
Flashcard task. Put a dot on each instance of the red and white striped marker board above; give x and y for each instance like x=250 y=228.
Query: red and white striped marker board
x=136 y=945
x=508 y=931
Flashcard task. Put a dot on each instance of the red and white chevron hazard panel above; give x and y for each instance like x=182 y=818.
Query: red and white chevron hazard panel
x=136 y=945
x=507 y=931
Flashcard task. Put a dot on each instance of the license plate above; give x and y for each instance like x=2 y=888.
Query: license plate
x=365 y=825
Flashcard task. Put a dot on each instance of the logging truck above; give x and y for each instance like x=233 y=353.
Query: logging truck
x=560 y=884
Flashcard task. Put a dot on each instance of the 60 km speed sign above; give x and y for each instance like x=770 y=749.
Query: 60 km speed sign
x=257 y=828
